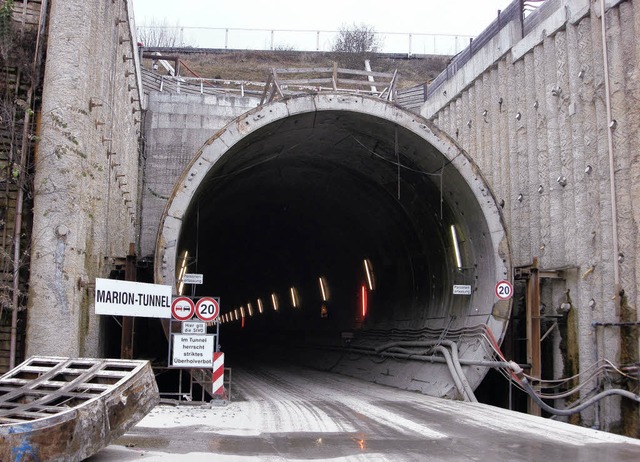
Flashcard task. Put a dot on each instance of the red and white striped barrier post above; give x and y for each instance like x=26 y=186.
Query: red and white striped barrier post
x=218 y=375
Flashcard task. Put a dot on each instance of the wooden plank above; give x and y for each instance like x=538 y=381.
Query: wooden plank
x=305 y=81
x=305 y=70
x=387 y=75
x=335 y=76
x=360 y=83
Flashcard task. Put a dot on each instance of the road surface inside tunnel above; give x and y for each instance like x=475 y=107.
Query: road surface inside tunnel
x=289 y=413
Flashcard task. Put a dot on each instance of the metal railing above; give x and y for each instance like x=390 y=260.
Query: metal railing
x=409 y=43
x=380 y=84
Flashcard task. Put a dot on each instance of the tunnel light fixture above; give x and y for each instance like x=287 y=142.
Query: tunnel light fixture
x=242 y=312
x=183 y=270
x=363 y=300
x=324 y=289
x=250 y=309
x=295 y=301
x=456 y=247
x=368 y=269
x=260 y=306
x=235 y=313
x=274 y=301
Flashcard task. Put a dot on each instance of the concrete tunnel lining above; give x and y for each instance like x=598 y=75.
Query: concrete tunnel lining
x=320 y=171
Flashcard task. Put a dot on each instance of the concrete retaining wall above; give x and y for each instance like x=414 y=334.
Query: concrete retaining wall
x=536 y=123
x=176 y=127
x=86 y=171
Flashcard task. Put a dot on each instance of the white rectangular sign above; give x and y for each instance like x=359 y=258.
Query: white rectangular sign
x=194 y=327
x=126 y=298
x=459 y=289
x=193 y=278
x=192 y=350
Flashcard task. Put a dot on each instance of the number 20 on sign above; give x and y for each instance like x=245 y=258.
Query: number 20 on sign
x=504 y=290
x=207 y=309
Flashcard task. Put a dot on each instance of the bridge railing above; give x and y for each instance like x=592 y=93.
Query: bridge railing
x=195 y=85
x=527 y=12
x=409 y=43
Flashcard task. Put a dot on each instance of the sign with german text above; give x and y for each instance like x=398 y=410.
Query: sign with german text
x=192 y=350
x=138 y=299
x=194 y=327
x=461 y=289
x=193 y=278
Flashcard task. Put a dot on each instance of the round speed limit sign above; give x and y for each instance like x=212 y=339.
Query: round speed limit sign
x=504 y=290
x=207 y=309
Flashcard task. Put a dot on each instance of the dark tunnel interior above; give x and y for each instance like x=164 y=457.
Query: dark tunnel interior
x=325 y=229
x=317 y=208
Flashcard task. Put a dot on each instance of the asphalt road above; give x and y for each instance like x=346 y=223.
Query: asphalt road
x=299 y=414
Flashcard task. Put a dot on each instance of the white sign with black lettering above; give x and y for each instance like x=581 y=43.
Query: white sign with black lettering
x=461 y=289
x=192 y=350
x=193 y=278
x=194 y=327
x=126 y=298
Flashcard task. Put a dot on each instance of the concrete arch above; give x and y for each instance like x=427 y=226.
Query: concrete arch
x=434 y=186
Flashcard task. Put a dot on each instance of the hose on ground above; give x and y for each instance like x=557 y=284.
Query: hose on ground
x=574 y=410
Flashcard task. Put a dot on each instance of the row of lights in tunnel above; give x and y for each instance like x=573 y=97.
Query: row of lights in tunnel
x=240 y=313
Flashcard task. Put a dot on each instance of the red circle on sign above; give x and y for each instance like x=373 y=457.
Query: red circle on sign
x=182 y=308
x=504 y=290
x=207 y=309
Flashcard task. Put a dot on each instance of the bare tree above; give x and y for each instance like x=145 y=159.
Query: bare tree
x=161 y=35
x=356 y=38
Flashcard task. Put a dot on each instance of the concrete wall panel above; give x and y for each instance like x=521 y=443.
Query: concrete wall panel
x=556 y=81
x=86 y=173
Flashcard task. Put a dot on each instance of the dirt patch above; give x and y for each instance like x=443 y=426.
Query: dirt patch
x=256 y=65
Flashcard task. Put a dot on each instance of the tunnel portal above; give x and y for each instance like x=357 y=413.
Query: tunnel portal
x=330 y=224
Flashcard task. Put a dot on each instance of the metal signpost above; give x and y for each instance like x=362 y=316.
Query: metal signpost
x=183 y=309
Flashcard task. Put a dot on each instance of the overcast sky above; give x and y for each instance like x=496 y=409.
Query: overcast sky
x=451 y=17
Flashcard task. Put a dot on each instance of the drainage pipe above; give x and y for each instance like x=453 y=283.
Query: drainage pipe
x=612 y=178
x=454 y=373
x=612 y=170
x=430 y=343
x=409 y=355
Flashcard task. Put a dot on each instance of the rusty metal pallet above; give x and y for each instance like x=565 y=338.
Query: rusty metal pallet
x=55 y=408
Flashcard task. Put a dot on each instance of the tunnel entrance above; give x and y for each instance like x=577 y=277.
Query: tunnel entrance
x=330 y=224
